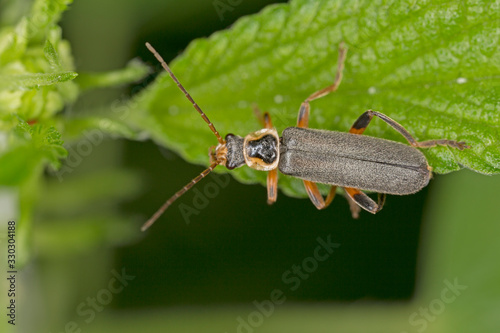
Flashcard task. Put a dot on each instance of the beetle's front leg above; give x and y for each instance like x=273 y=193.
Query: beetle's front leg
x=272 y=186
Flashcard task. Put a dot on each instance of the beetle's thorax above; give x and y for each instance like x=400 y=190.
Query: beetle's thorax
x=259 y=150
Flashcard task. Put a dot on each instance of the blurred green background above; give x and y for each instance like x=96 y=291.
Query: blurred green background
x=205 y=275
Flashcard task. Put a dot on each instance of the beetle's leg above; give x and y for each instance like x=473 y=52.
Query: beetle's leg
x=303 y=122
x=272 y=186
x=364 y=201
x=362 y=122
x=381 y=201
x=261 y=116
x=272 y=176
x=461 y=145
x=353 y=206
x=303 y=117
x=316 y=197
x=338 y=76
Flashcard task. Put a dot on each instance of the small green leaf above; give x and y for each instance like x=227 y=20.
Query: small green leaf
x=52 y=56
x=18 y=164
x=30 y=147
x=115 y=127
x=134 y=71
x=44 y=15
x=433 y=66
x=13 y=41
x=36 y=66
x=30 y=81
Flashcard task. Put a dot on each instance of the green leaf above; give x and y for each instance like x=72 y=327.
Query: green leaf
x=433 y=66
x=30 y=81
x=115 y=127
x=135 y=70
x=44 y=15
x=52 y=56
x=30 y=147
x=18 y=164
x=34 y=61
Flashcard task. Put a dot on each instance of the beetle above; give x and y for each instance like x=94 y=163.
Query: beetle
x=348 y=160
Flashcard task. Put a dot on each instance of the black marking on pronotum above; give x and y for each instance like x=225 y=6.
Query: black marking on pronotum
x=264 y=148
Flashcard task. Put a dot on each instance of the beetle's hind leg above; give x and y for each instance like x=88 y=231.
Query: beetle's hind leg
x=364 y=201
x=272 y=176
x=353 y=206
x=364 y=120
x=303 y=117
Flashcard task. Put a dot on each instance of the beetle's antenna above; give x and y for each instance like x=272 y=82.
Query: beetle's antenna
x=203 y=115
x=177 y=195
